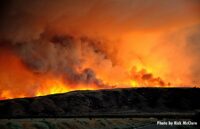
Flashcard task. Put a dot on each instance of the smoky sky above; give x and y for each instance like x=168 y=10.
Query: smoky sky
x=193 y=49
x=25 y=20
x=62 y=36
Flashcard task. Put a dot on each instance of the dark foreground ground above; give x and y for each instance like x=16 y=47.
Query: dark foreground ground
x=136 y=108
x=85 y=123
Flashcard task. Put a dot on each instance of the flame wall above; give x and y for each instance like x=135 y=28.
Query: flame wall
x=51 y=46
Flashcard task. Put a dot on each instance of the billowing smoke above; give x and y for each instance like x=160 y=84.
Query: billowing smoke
x=62 y=55
x=147 y=79
x=59 y=56
x=192 y=47
x=105 y=44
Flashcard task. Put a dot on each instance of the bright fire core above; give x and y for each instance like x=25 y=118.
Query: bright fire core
x=71 y=45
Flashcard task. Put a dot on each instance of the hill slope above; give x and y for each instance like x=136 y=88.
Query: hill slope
x=115 y=101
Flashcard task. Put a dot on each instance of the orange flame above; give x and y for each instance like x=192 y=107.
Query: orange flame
x=17 y=81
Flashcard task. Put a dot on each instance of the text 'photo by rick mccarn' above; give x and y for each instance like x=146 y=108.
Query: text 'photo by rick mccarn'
x=106 y=64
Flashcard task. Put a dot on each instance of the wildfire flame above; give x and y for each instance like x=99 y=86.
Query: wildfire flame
x=74 y=45
x=15 y=73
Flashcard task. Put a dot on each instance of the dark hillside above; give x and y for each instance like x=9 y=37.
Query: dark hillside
x=100 y=102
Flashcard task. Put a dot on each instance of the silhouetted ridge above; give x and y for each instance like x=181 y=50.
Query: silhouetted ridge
x=115 y=101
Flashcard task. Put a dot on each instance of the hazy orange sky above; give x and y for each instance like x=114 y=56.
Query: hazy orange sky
x=49 y=46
